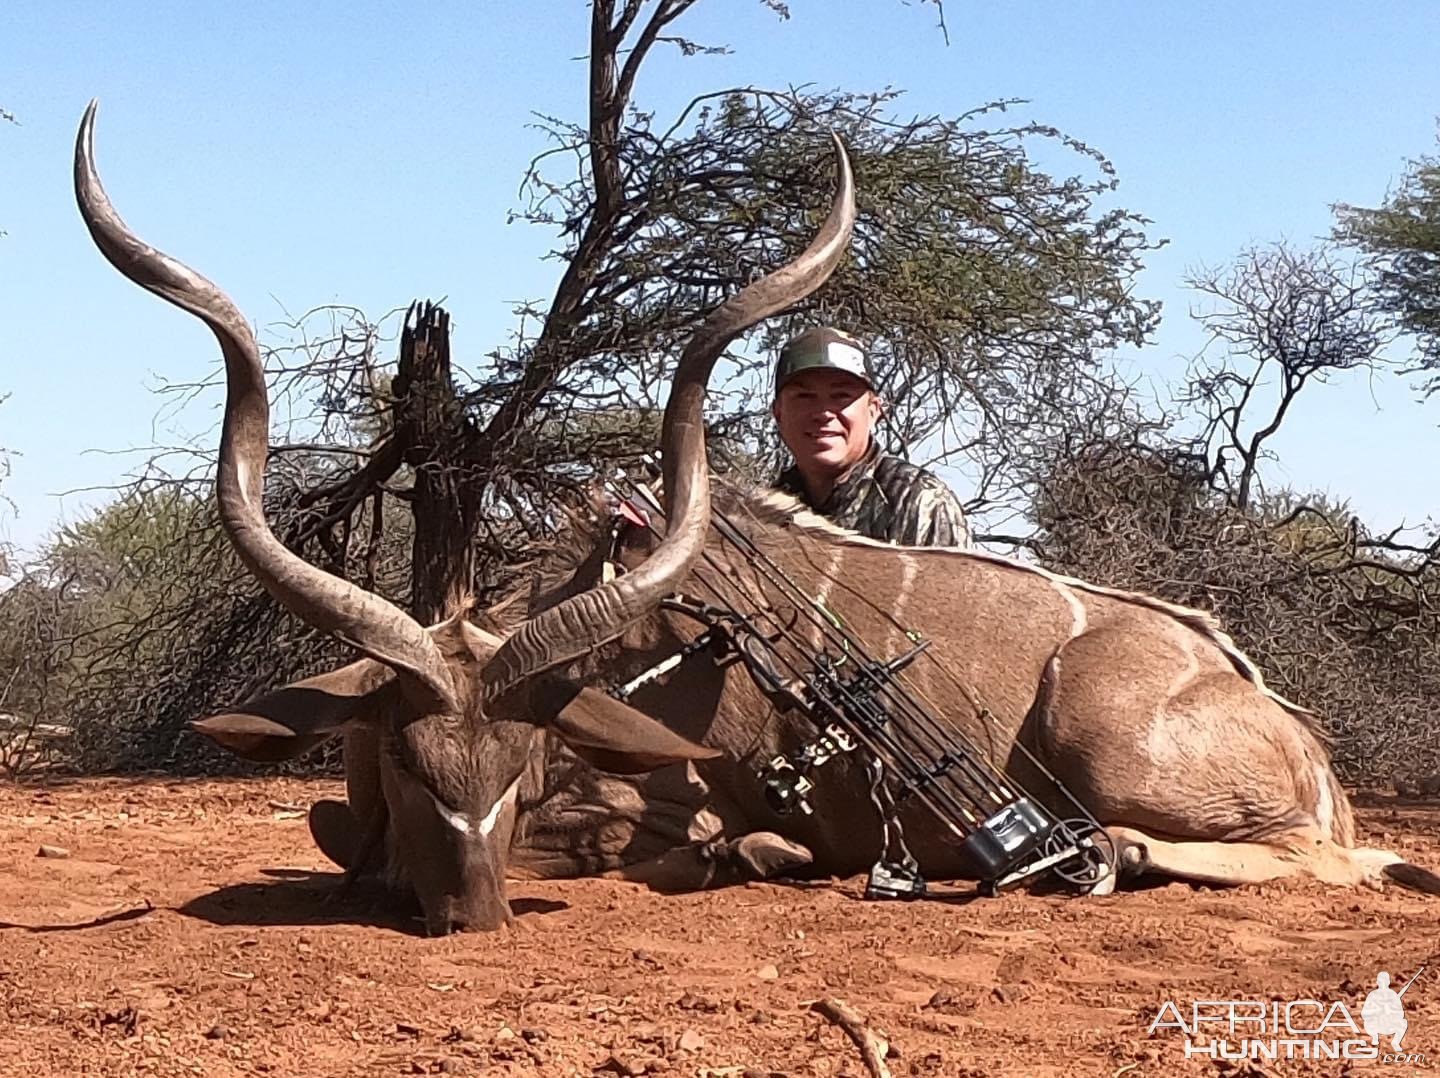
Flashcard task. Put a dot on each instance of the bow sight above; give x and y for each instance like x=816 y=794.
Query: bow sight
x=862 y=709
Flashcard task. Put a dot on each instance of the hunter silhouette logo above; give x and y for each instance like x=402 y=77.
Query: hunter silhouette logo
x=1384 y=1013
x=1298 y=1029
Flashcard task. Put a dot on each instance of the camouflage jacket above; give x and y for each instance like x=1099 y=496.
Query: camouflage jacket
x=891 y=500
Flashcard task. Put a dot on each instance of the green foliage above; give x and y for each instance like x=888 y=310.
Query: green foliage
x=121 y=565
x=1403 y=237
x=102 y=589
x=31 y=623
x=193 y=632
x=140 y=618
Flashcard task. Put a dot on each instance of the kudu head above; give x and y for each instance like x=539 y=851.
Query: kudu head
x=457 y=711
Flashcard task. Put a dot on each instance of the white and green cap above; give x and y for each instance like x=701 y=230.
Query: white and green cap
x=822 y=347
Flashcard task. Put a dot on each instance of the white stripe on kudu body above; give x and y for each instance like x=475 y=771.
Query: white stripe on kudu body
x=1158 y=737
x=909 y=570
x=830 y=575
x=780 y=507
x=822 y=592
x=1079 y=620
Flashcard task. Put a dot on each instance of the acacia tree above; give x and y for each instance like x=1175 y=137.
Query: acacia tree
x=1284 y=319
x=1402 y=236
x=987 y=289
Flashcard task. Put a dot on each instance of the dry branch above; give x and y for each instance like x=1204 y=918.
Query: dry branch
x=873 y=1047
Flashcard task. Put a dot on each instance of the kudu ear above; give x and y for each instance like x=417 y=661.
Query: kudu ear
x=606 y=733
x=282 y=724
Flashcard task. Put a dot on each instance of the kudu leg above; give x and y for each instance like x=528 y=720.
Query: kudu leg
x=1150 y=734
x=335 y=830
x=669 y=830
x=1307 y=853
x=760 y=855
x=682 y=864
x=349 y=834
x=343 y=840
x=370 y=842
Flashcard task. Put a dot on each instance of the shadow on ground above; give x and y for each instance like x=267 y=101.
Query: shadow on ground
x=296 y=897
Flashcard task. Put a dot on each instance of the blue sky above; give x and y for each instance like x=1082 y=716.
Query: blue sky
x=367 y=153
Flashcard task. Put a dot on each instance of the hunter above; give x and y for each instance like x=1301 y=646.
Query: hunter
x=825 y=409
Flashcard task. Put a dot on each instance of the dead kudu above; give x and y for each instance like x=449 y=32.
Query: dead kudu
x=446 y=722
x=1145 y=711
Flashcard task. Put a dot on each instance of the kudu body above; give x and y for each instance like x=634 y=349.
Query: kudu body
x=1145 y=711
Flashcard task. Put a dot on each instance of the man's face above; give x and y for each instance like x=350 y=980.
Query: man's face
x=825 y=417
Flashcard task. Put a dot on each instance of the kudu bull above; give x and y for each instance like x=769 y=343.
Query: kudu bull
x=1145 y=710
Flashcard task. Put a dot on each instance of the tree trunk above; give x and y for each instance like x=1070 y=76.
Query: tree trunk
x=434 y=434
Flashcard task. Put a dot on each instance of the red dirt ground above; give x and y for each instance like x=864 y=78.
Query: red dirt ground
x=189 y=931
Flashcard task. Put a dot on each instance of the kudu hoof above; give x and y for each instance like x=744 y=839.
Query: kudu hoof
x=761 y=855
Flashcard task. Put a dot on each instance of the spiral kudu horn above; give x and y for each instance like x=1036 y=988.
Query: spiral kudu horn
x=359 y=618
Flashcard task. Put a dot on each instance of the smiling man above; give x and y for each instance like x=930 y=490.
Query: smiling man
x=825 y=408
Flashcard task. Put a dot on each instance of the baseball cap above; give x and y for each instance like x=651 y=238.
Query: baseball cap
x=822 y=347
